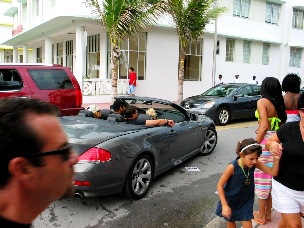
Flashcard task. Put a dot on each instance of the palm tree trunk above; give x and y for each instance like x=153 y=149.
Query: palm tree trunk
x=181 y=74
x=114 y=71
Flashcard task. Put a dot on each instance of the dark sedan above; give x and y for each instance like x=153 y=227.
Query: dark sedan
x=118 y=157
x=226 y=102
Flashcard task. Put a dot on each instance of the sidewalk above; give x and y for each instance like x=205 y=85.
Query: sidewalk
x=100 y=105
x=275 y=218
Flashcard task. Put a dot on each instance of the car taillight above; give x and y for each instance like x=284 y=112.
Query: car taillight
x=95 y=155
x=78 y=98
x=82 y=183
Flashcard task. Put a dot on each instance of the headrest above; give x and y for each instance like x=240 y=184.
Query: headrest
x=85 y=113
x=116 y=117
x=105 y=113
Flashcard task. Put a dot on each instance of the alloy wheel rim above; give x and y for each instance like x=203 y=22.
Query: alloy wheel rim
x=224 y=116
x=210 y=141
x=141 y=176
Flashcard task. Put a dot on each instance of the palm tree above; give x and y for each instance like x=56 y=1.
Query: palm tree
x=190 y=18
x=122 y=19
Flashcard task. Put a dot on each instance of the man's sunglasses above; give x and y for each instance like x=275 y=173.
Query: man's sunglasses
x=65 y=153
x=301 y=110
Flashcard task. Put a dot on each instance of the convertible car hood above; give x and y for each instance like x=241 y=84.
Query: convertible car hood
x=86 y=132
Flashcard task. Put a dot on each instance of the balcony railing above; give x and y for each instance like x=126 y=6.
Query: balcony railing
x=97 y=86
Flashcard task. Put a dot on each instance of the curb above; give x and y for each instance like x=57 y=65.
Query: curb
x=218 y=222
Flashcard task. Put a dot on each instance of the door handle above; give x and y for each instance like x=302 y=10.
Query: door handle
x=172 y=132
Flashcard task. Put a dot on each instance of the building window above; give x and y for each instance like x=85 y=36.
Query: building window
x=241 y=8
x=8 y=56
x=39 y=55
x=246 y=51
x=93 y=56
x=133 y=54
x=69 y=54
x=297 y=19
x=295 y=57
x=193 y=60
x=229 y=50
x=272 y=13
x=53 y=53
x=59 y=53
x=265 y=56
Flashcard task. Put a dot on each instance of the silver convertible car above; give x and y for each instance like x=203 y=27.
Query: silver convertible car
x=117 y=157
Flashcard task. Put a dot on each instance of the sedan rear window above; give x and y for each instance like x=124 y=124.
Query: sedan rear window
x=51 y=79
x=10 y=80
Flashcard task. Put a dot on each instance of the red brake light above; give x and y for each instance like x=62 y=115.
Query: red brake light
x=95 y=155
x=78 y=98
x=82 y=183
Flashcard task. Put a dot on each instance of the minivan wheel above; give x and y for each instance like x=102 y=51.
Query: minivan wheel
x=223 y=116
x=209 y=142
x=139 y=178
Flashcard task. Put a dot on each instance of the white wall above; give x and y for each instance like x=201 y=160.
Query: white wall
x=162 y=65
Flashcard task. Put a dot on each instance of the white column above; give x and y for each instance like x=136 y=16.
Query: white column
x=64 y=53
x=25 y=53
x=80 y=55
x=28 y=14
x=1 y=55
x=15 y=54
x=48 y=50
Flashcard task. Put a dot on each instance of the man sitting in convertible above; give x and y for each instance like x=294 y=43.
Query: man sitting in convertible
x=131 y=116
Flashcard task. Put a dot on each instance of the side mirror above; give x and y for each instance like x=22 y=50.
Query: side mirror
x=193 y=116
x=235 y=97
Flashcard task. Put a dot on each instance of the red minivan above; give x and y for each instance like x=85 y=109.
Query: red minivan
x=51 y=83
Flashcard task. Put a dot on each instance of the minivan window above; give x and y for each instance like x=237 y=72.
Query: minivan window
x=10 y=80
x=51 y=79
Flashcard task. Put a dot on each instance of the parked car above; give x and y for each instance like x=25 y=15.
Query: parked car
x=51 y=83
x=117 y=157
x=226 y=102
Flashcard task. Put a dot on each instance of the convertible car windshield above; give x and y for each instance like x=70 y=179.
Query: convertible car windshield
x=221 y=90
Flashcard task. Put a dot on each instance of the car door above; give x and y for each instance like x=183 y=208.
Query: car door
x=242 y=103
x=185 y=139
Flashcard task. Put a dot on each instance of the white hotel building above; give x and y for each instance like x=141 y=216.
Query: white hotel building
x=254 y=37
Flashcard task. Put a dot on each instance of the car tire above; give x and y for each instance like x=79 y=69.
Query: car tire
x=210 y=141
x=223 y=116
x=139 y=178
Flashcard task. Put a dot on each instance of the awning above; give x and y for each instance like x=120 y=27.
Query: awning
x=53 y=27
x=11 y=11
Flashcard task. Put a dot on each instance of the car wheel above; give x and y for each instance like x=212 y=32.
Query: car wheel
x=223 y=116
x=210 y=141
x=139 y=177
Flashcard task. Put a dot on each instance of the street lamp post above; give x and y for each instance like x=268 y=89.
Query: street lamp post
x=214 y=50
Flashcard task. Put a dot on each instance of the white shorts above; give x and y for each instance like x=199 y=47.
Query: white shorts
x=286 y=200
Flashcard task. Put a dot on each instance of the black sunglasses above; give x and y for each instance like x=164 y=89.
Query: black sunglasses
x=65 y=153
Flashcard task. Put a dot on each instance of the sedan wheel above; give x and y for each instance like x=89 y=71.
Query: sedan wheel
x=223 y=116
x=139 y=178
x=210 y=141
